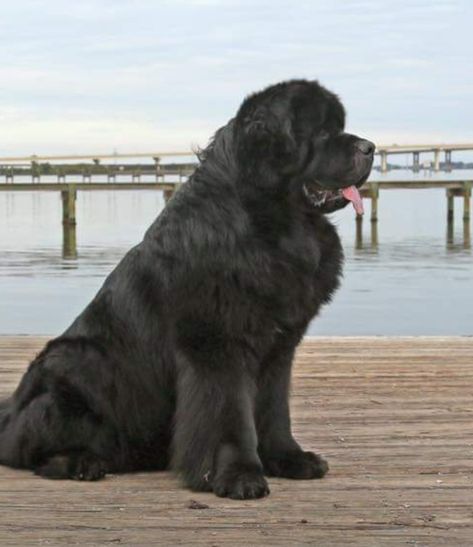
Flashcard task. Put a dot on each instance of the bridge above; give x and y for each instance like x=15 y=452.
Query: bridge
x=417 y=149
x=96 y=159
x=93 y=157
x=85 y=167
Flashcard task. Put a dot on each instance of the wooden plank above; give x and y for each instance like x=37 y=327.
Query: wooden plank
x=132 y=184
x=394 y=416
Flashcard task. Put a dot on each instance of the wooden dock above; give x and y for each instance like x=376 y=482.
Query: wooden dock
x=394 y=417
x=371 y=190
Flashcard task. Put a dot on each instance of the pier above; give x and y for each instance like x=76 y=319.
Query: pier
x=99 y=172
x=95 y=172
x=69 y=191
x=392 y=415
x=370 y=191
x=453 y=188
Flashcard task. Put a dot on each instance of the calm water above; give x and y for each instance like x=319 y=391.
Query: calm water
x=416 y=280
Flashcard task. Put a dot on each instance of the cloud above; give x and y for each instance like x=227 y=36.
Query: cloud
x=132 y=70
x=88 y=134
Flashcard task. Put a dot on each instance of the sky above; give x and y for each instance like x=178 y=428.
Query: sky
x=98 y=76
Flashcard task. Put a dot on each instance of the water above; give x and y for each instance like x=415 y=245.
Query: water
x=418 y=280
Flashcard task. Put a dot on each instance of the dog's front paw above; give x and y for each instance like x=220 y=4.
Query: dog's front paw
x=240 y=483
x=296 y=465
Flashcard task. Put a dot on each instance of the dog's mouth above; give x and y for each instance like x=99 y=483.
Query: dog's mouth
x=331 y=200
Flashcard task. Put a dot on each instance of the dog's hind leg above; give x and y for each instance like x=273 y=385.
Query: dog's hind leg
x=55 y=422
x=80 y=465
x=55 y=444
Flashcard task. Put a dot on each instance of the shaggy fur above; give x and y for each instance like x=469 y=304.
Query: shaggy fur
x=183 y=358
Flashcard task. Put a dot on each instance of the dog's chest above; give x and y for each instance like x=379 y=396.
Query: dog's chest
x=307 y=265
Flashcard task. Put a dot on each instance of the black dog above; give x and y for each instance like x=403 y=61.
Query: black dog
x=184 y=356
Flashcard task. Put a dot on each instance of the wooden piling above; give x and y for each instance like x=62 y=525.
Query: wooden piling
x=374 y=235
x=466 y=200
x=450 y=235
x=169 y=192
x=374 y=191
x=450 y=205
x=466 y=234
x=69 y=242
x=167 y=195
x=69 y=197
x=359 y=232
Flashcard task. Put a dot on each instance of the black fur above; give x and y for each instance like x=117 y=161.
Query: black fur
x=183 y=358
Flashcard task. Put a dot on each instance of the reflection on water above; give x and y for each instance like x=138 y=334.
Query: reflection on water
x=408 y=274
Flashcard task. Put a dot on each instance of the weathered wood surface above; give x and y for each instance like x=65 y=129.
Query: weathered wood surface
x=394 y=416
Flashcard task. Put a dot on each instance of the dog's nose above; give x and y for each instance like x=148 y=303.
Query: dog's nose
x=366 y=147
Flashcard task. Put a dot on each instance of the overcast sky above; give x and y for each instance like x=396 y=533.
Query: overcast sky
x=99 y=75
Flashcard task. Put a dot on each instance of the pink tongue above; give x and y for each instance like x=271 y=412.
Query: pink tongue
x=352 y=194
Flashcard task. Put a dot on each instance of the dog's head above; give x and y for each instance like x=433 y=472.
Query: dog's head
x=293 y=132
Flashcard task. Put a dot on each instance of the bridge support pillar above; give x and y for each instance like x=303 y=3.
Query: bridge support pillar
x=69 y=242
x=448 y=160
x=384 y=161
x=416 y=161
x=437 y=160
x=157 y=167
x=35 y=171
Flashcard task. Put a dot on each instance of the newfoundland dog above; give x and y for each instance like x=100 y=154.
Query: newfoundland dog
x=183 y=358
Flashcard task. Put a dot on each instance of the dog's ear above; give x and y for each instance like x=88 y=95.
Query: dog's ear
x=259 y=125
x=267 y=136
